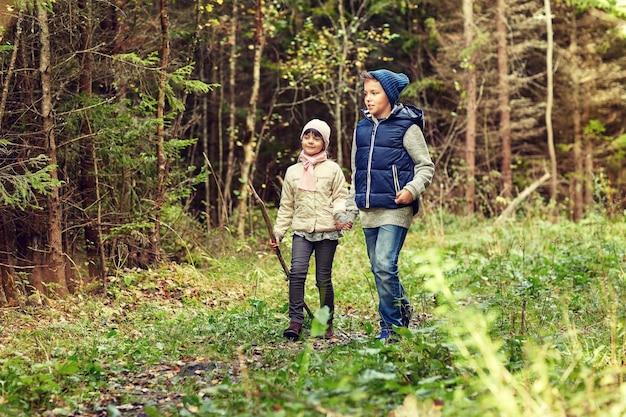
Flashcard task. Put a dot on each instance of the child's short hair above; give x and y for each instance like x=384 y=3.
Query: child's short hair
x=393 y=83
x=366 y=75
x=315 y=132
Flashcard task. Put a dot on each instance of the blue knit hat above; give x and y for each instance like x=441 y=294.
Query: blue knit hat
x=393 y=83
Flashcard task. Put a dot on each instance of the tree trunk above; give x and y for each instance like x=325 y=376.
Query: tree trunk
x=55 y=271
x=470 y=133
x=507 y=212
x=215 y=149
x=588 y=154
x=8 y=290
x=162 y=163
x=37 y=277
x=232 y=109
x=576 y=185
x=503 y=98
x=204 y=138
x=341 y=84
x=9 y=74
x=87 y=178
x=221 y=212
x=3 y=297
x=249 y=148
x=550 y=101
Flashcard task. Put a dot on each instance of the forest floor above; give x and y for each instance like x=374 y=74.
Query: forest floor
x=521 y=319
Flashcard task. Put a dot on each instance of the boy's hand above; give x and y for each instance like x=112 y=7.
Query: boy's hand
x=404 y=196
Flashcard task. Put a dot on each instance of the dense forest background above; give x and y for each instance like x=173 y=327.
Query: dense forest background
x=131 y=129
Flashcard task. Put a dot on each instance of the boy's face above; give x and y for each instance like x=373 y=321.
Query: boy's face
x=375 y=99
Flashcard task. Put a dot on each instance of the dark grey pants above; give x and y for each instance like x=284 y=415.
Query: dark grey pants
x=301 y=251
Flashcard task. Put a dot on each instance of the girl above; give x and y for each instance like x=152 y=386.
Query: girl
x=313 y=204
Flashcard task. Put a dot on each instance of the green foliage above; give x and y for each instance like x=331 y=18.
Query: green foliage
x=319 y=323
x=528 y=320
x=620 y=142
x=594 y=127
x=613 y=7
x=179 y=79
x=182 y=79
x=183 y=235
x=317 y=53
x=22 y=181
x=131 y=58
x=124 y=141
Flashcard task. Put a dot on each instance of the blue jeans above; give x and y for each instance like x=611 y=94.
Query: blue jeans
x=383 y=248
x=301 y=251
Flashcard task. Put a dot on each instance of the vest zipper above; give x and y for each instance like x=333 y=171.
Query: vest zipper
x=369 y=166
x=396 y=181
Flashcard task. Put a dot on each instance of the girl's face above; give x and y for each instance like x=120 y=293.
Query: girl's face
x=312 y=144
x=375 y=99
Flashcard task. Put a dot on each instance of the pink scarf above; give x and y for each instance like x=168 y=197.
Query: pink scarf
x=307 y=182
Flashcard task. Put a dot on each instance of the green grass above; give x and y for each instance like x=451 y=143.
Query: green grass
x=520 y=319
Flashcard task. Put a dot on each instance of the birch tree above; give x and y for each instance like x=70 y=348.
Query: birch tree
x=550 y=100
x=232 y=130
x=470 y=103
x=250 y=145
x=504 y=107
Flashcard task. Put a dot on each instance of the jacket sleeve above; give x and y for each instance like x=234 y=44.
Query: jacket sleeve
x=286 y=209
x=350 y=202
x=339 y=194
x=424 y=170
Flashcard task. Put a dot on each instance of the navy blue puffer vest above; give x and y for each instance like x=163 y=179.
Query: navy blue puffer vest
x=383 y=167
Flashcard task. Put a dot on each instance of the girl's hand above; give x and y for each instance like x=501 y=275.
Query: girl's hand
x=341 y=226
x=274 y=244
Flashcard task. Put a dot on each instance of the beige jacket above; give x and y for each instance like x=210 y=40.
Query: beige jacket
x=311 y=211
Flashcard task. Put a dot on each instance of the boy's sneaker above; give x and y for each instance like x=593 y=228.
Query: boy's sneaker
x=385 y=335
x=407 y=313
x=293 y=331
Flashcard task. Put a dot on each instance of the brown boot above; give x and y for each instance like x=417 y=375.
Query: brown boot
x=293 y=331
x=329 y=332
